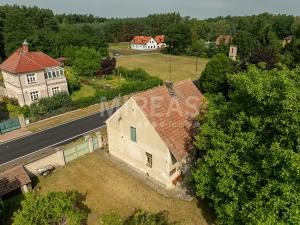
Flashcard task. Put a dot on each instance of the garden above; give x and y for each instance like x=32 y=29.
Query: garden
x=92 y=78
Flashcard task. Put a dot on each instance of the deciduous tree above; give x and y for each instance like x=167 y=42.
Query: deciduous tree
x=250 y=144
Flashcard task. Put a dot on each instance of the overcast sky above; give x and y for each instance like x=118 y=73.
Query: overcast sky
x=192 y=8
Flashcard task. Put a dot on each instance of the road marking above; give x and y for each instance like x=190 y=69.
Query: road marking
x=79 y=135
x=40 y=131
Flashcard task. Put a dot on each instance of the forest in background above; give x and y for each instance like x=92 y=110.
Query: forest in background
x=259 y=36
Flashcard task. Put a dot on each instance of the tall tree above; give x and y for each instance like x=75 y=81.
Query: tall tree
x=250 y=144
x=213 y=79
x=86 y=62
x=178 y=38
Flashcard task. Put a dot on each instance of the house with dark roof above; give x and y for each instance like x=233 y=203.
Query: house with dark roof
x=29 y=76
x=151 y=132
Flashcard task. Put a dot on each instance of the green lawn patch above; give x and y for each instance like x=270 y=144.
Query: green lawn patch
x=84 y=92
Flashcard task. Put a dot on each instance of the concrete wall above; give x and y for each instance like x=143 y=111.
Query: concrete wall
x=56 y=159
x=148 y=140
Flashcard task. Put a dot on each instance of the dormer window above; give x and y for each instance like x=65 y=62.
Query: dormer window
x=31 y=78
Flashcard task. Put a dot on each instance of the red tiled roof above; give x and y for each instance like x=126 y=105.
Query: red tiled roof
x=288 y=38
x=141 y=40
x=13 y=179
x=160 y=39
x=172 y=116
x=226 y=39
x=22 y=61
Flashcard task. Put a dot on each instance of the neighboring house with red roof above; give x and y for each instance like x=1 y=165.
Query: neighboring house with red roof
x=152 y=131
x=160 y=40
x=287 y=40
x=224 y=39
x=29 y=76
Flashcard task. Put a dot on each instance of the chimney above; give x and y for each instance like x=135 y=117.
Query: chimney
x=25 y=48
x=169 y=85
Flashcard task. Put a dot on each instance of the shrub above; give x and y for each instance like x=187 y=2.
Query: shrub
x=108 y=65
x=49 y=104
x=139 y=217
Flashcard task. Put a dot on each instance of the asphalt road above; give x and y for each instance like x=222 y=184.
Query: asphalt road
x=53 y=137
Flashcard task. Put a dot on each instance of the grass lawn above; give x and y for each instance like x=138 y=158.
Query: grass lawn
x=83 y=92
x=109 y=188
x=157 y=64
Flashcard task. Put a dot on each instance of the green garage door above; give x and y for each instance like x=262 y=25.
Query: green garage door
x=75 y=152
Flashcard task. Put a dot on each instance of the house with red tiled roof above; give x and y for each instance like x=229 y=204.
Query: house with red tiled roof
x=160 y=40
x=151 y=132
x=143 y=43
x=224 y=39
x=29 y=76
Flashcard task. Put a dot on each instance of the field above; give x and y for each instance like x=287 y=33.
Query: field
x=108 y=187
x=157 y=64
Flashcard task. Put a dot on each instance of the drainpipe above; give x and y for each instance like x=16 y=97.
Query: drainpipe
x=22 y=90
x=46 y=84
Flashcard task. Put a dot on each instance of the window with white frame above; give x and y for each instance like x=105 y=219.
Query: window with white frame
x=62 y=73
x=55 y=90
x=34 y=95
x=31 y=78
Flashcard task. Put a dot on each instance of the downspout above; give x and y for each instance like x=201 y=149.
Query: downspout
x=22 y=90
x=46 y=84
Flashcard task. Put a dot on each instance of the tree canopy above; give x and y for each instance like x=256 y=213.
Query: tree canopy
x=250 y=169
x=53 y=208
x=213 y=79
x=86 y=62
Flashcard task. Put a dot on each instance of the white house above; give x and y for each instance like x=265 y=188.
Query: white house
x=143 y=43
x=152 y=131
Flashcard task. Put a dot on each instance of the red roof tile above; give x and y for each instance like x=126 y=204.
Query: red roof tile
x=160 y=39
x=141 y=40
x=171 y=113
x=13 y=179
x=22 y=61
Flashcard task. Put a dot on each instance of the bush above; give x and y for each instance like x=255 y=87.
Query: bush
x=53 y=208
x=47 y=105
x=139 y=217
x=108 y=65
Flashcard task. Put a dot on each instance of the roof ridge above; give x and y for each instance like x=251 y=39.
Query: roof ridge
x=34 y=61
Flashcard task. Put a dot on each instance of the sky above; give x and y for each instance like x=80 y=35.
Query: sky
x=193 y=8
